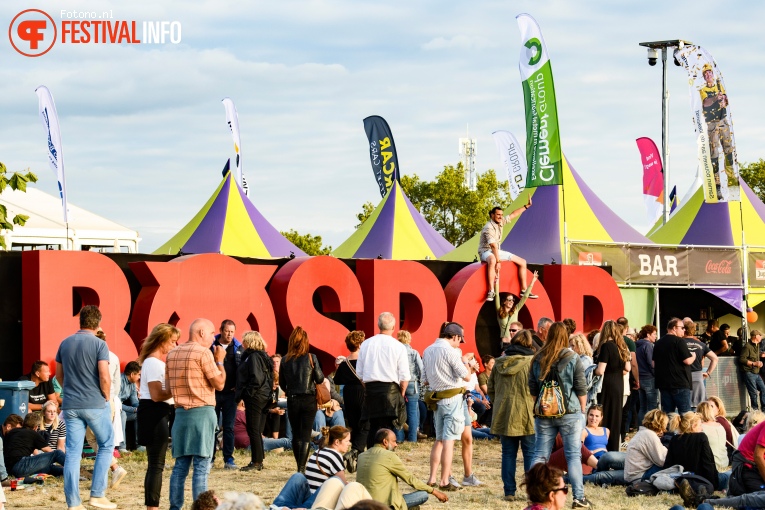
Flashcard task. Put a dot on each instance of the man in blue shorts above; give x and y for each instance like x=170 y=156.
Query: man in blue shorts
x=444 y=371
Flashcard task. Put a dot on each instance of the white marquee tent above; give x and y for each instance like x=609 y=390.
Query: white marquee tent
x=46 y=229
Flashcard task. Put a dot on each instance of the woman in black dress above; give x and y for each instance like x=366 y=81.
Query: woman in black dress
x=299 y=375
x=254 y=385
x=353 y=391
x=613 y=359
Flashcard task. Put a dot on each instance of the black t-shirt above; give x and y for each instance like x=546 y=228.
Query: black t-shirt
x=700 y=349
x=717 y=341
x=705 y=337
x=21 y=443
x=39 y=394
x=668 y=355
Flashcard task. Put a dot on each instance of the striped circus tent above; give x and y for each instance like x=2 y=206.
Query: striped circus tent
x=538 y=234
x=230 y=224
x=395 y=230
x=722 y=224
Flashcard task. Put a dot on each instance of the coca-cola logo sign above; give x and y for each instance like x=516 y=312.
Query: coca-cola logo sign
x=722 y=267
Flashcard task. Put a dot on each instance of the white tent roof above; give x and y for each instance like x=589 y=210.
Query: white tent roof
x=46 y=223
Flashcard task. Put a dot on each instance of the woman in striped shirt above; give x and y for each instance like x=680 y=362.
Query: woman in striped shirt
x=327 y=461
x=55 y=427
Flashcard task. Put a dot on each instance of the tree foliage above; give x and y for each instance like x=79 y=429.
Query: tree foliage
x=454 y=211
x=310 y=244
x=366 y=211
x=754 y=175
x=17 y=181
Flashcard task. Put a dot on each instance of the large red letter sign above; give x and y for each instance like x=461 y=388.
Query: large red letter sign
x=587 y=294
x=466 y=295
x=209 y=286
x=50 y=281
x=292 y=293
x=390 y=285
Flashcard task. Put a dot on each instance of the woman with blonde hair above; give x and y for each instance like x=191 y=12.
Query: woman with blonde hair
x=155 y=407
x=731 y=434
x=690 y=448
x=55 y=427
x=254 y=385
x=579 y=344
x=613 y=360
x=715 y=433
x=299 y=374
x=556 y=357
x=412 y=389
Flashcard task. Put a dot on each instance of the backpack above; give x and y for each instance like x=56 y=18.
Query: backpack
x=697 y=482
x=551 y=403
x=641 y=488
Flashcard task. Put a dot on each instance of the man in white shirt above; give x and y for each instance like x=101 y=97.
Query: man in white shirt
x=445 y=372
x=383 y=367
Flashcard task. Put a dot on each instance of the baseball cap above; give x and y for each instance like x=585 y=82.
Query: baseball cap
x=455 y=330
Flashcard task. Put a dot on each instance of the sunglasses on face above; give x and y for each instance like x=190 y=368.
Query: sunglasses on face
x=563 y=489
x=513 y=330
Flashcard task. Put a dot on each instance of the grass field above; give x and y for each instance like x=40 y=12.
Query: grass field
x=279 y=467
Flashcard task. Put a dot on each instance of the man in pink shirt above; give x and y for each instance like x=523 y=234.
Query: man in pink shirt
x=749 y=463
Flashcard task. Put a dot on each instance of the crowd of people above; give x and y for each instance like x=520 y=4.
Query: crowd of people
x=566 y=399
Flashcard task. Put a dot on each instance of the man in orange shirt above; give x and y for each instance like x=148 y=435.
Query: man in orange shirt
x=193 y=374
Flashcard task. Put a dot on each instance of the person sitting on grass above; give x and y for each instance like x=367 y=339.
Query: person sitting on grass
x=645 y=455
x=379 y=470
x=27 y=452
x=691 y=449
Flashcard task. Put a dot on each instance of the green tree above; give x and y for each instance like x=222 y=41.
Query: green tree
x=310 y=244
x=454 y=211
x=754 y=175
x=366 y=211
x=17 y=181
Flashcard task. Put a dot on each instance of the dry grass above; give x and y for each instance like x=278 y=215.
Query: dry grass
x=278 y=468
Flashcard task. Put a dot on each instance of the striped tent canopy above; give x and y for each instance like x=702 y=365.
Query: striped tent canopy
x=230 y=224
x=722 y=224
x=395 y=230
x=537 y=235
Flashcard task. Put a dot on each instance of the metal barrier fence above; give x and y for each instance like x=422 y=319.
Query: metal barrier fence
x=726 y=384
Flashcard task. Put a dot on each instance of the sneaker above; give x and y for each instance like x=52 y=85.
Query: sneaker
x=512 y=497
x=453 y=481
x=531 y=296
x=490 y=296
x=117 y=476
x=471 y=481
x=581 y=503
x=449 y=488
x=315 y=434
x=102 y=503
x=141 y=449
x=623 y=446
x=230 y=464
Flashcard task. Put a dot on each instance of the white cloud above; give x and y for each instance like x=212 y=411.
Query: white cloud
x=462 y=42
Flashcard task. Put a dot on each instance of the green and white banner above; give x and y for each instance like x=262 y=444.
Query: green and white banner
x=543 y=151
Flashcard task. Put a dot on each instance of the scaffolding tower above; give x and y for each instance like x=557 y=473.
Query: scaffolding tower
x=468 y=150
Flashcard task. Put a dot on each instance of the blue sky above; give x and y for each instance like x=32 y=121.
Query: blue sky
x=145 y=135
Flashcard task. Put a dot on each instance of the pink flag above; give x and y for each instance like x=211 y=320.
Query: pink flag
x=653 y=177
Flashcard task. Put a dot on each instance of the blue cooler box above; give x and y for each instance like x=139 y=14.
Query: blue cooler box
x=16 y=396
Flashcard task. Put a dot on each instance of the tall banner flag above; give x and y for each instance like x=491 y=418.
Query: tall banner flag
x=653 y=178
x=511 y=154
x=543 y=152
x=49 y=117
x=232 y=119
x=382 y=152
x=713 y=125
x=673 y=200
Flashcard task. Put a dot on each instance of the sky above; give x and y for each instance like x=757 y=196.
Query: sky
x=145 y=137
